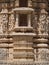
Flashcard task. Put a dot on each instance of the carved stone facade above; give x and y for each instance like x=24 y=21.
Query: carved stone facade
x=24 y=32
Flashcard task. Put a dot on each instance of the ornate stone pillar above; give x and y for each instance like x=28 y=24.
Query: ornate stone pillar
x=43 y=30
x=29 y=20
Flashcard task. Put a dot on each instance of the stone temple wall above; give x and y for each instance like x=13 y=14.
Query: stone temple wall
x=24 y=44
